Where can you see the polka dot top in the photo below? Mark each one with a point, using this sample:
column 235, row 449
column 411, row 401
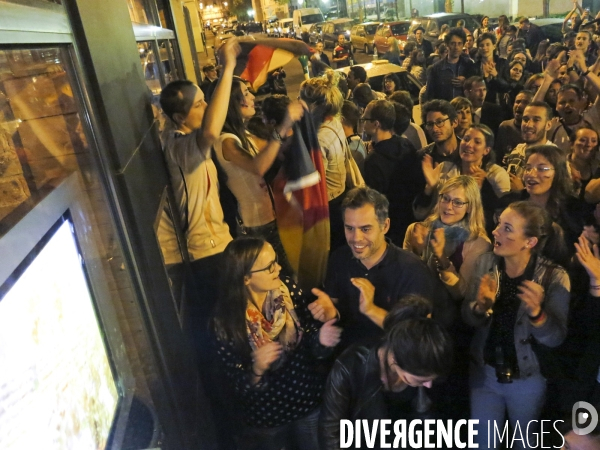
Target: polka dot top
column 286, row 393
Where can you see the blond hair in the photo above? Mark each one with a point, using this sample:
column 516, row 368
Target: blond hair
column 324, row 94
column 474, row 219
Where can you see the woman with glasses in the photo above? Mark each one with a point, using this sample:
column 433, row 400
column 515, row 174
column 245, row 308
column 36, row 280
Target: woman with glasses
column 476, row 160
column 453, row 236
column 548, row 184
column 385, row 380
column 244, row 159
column 518, row 301
column 269, row 347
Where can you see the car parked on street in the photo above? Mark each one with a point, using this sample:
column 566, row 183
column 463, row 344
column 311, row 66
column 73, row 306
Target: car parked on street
column 362, row 35
column 385, row 31
column 285, row 28
column 333, row 28
column 433, row 23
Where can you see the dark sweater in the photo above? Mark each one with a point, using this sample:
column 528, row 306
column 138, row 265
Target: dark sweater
column 389, row 170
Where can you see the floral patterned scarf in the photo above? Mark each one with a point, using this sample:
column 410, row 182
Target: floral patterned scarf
column 277, row 322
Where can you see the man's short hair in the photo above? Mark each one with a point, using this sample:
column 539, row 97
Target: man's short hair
column 383, row 111
column 275, row 107
column 511, row 29
column 546, row 106
column 572, row 87
column 482, row 37
column 460, row 23
column 361, row 196
column 458, row 32
column 461, row 103
column 469, row 82
column 441, row 106
column 363, row 95
column 350, row 114
column 404, row 98
column 359, row 73
column 403, row 117
column 419, row 28
column 523, row 20
column 208, row 68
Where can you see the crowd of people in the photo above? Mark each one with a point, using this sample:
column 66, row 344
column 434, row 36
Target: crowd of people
column 464, row 267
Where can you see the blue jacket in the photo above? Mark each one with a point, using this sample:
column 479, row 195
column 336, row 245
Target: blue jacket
column 439, row 78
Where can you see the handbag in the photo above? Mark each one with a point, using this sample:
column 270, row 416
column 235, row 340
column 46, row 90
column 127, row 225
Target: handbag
column 353, row 176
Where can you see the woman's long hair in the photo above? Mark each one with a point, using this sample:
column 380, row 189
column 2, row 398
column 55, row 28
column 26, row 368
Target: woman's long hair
column 322, row 96
column 234, row 121
column 538, row 223
column 562, row 184
column 474, row 217
column 229, row 317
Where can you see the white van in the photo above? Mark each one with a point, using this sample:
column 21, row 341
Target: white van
column 304, row 18
column 285, row 29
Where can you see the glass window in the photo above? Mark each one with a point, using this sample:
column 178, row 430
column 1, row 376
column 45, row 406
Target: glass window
column 137, row 13
column 149, row 67
column 400, row 28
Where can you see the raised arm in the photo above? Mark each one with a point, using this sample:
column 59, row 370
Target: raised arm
column 550, row 75
column 214, row 116
column 260, row 163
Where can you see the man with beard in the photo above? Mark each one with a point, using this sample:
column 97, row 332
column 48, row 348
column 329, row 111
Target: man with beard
column 367, row 278
column 487, row 113
column 440, row 120
column 535, row 124
column 386, row 165
column 509, row 131
column 446, row 77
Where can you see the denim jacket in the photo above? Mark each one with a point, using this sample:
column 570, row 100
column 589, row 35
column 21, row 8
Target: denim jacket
column 555, row 305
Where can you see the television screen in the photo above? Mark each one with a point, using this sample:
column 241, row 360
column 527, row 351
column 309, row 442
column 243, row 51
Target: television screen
column 57, row 389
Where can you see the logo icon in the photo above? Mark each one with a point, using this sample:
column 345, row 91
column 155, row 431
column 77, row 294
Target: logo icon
column 584, row 417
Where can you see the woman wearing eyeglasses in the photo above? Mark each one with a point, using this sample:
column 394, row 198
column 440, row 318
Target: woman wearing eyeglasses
column 518, row 301
column 453, row 236
column 269, row 346
column 477, row 161
column 548, row 184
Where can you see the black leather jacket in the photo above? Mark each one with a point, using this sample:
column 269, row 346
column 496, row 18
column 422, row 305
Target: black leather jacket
column 354, row 391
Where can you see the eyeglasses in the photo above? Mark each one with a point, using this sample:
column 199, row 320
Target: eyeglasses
column 365, row 119
column 455, row 202
column 438, row 123
column 270, row 267
column 539, row 170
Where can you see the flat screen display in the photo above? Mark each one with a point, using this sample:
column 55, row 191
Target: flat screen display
column 57, row 389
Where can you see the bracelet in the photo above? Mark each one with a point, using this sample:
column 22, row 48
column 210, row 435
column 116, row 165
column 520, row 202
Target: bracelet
column 586, row 73
column 537, row 317
column 275, row 136
column 571, row 69
column 439, row 265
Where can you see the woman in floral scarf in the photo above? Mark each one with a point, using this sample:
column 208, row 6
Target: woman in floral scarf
column 269, row 346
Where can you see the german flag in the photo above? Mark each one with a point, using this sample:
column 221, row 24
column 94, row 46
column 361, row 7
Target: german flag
column 301, row 206
column 263, row 55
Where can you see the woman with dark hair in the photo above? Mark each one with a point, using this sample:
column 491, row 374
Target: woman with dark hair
column 518, row 298
column 417, row 65
column 582, row 162
column 269, row 346
column 245, row 159
column 516, row 81
column 477, row 160
column 484, row 28
column 503, row 24
column 548, row 184
column 391, row 84
column 383, row 381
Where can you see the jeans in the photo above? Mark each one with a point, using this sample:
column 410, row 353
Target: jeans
column 522, row 399
column 298, row 435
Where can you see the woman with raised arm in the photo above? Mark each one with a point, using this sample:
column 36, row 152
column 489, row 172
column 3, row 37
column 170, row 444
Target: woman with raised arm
column 518, row 300
column 453, row 236
column 269, row 346
column 245, row 159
